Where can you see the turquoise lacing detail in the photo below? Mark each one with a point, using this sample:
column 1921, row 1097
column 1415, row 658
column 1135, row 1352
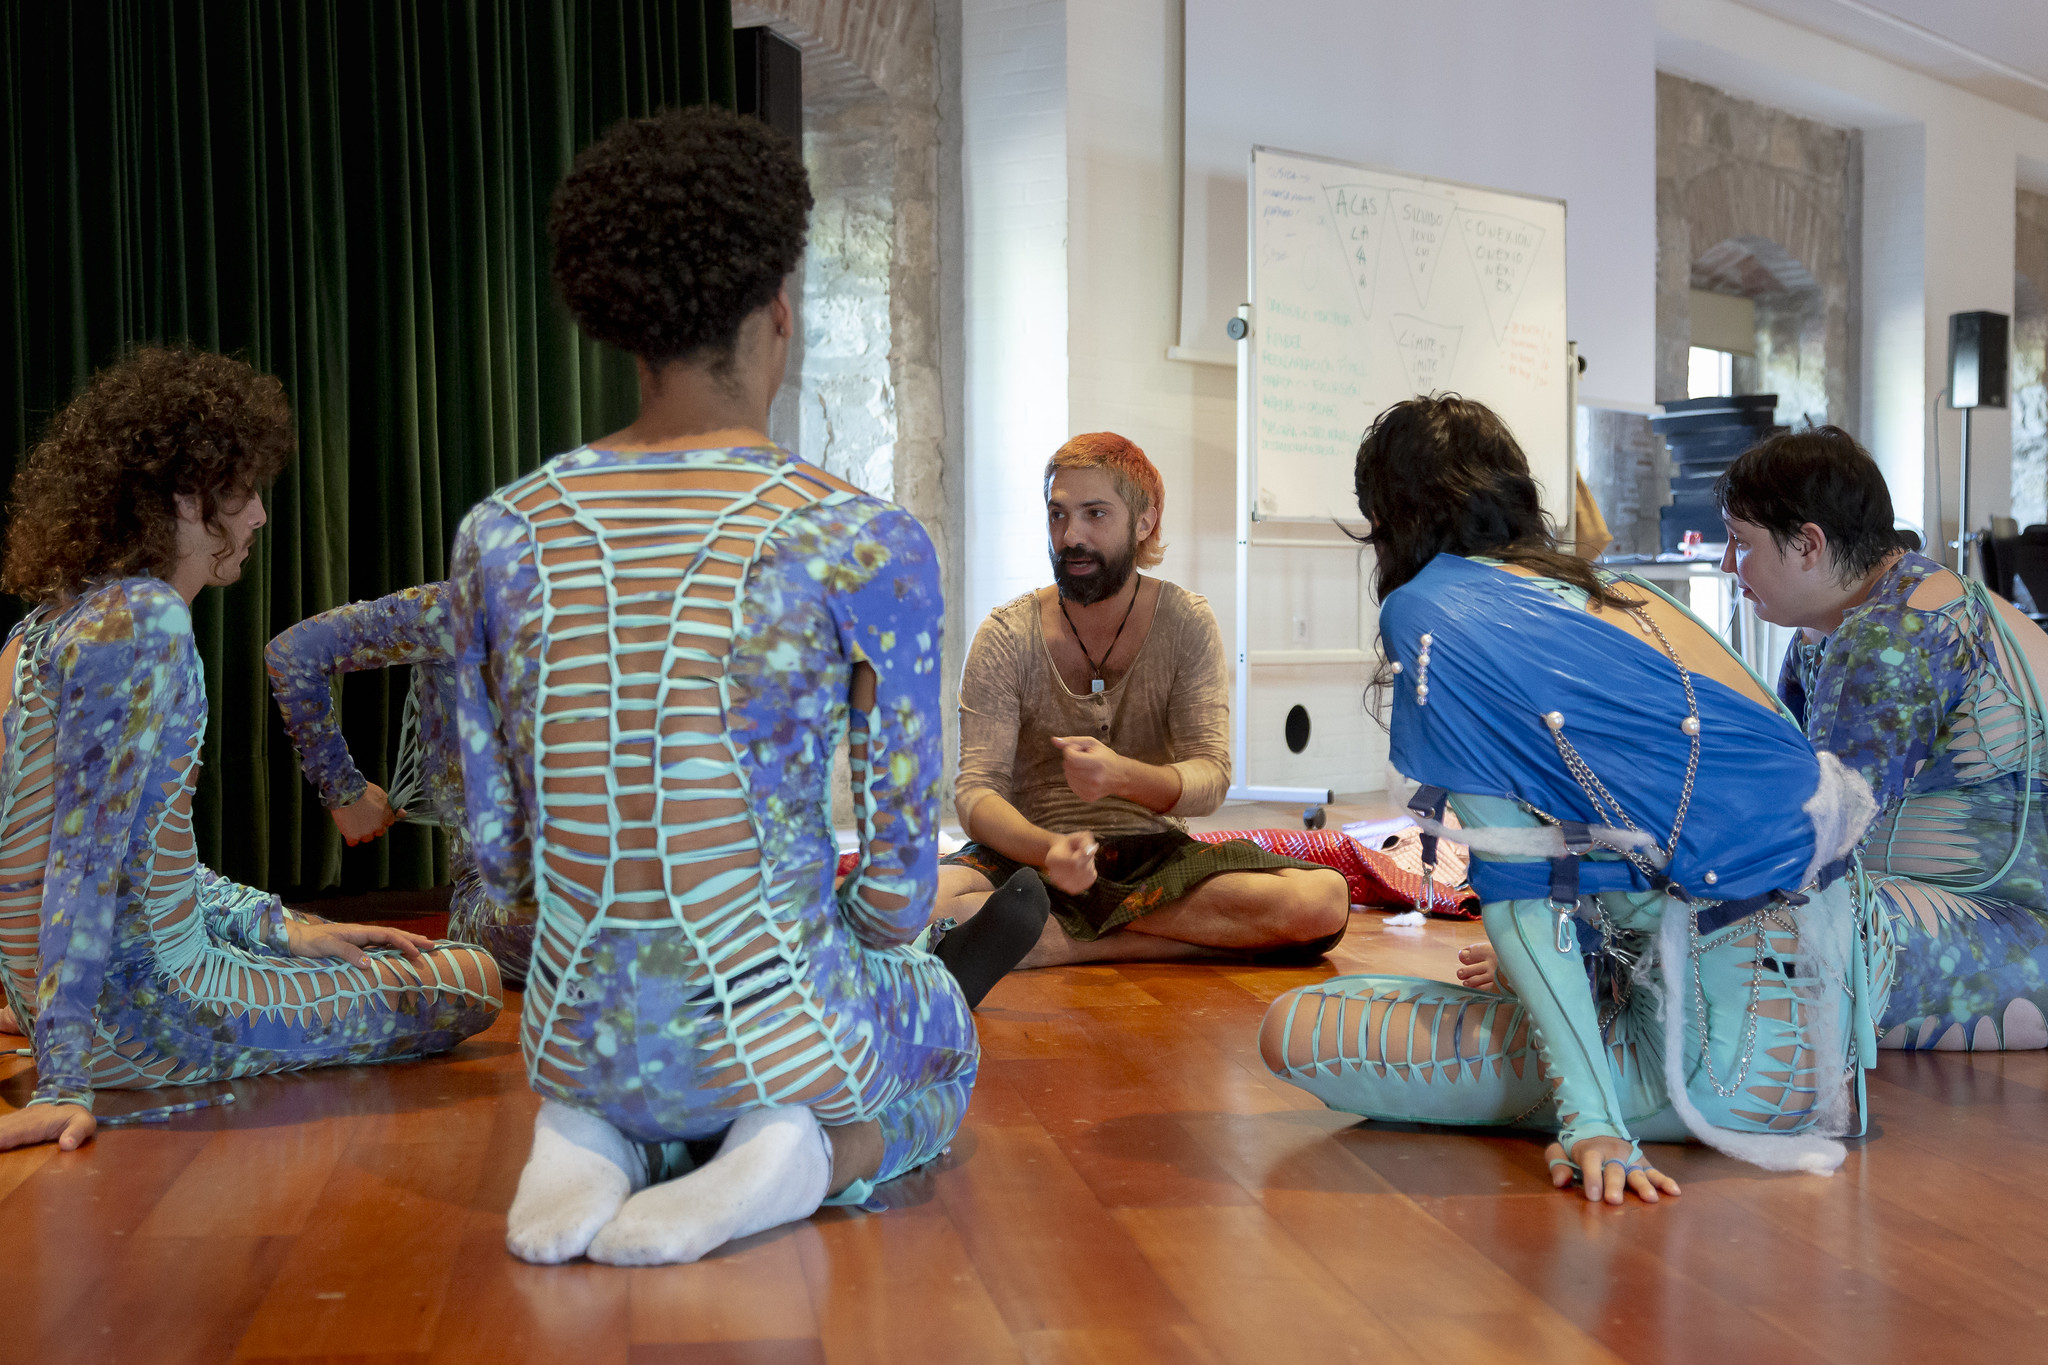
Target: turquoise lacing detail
column 641, row 598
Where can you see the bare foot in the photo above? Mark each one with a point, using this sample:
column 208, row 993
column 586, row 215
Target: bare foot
column 1479, row 967
column 8, row 1023
column 1055, row 947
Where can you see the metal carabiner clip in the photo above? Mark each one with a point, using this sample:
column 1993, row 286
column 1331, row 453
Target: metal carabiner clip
column 1567, row 939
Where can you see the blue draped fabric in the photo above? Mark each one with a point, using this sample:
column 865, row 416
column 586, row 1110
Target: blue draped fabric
column 1505, row 652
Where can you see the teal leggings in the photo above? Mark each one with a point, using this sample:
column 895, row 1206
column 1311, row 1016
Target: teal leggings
column 1412, row 1050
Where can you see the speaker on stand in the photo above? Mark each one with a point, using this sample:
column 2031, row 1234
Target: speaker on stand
column 1977, row 376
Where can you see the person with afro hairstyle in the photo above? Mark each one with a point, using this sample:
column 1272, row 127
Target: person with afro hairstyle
column 133, row 965
column 1929, row 686
column 660, row 640
column 1094, row 717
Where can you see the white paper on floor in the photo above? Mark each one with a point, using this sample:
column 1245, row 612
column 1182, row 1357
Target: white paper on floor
column 1379, row 834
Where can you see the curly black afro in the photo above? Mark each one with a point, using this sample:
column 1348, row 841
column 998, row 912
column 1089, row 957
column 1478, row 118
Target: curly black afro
column 669, row 230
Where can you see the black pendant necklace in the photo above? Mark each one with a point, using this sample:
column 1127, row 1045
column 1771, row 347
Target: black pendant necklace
column 1095, row 669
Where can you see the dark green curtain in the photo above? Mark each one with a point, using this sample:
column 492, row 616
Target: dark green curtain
column 352, row 194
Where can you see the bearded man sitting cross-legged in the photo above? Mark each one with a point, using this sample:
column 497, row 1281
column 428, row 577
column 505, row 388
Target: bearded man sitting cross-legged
column 1095, row 717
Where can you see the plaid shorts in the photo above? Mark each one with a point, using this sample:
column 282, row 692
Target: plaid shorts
column 1135, row 875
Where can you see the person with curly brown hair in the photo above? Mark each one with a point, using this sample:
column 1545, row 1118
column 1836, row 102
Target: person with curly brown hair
column 661, row 638
column 133, row 964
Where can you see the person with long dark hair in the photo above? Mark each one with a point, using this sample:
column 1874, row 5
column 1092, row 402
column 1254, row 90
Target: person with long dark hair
column 1929, row 686
column 133, row 965
column 1648, row 829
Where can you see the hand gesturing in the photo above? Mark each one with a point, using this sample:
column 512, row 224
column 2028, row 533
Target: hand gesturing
column 1070, row 862
column 1093, row 769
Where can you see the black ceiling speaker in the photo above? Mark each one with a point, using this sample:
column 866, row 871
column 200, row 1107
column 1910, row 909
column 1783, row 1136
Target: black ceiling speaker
column 1977, row 364
column 768, row 80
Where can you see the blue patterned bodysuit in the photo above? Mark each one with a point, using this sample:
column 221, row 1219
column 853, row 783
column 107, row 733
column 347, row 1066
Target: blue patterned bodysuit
column 1938, row 710
column 1548, row 1052
column 133, row 964
column 655, row 653
column 408, row 627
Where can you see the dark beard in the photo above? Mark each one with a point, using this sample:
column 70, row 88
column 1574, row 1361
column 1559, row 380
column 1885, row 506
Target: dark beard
column 1106, row 582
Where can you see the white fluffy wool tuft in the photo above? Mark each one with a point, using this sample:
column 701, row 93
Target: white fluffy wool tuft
column 1841, row 809
column 1539, row 841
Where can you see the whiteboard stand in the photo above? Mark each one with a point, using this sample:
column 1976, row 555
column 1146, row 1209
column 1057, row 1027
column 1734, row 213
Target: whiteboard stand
column 1370, row 286
column 1241, row 678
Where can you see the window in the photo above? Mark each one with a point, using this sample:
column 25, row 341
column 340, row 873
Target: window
column 1709, row 374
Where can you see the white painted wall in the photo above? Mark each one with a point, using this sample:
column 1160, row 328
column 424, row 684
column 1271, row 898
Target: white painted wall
column 1013, row 101
column 1894, row 417
column 1554, row 100
column 1970, row 155
column 1123, row 172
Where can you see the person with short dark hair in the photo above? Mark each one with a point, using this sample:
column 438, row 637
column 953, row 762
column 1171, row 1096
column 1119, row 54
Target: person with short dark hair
column 1674, row 947
column 1929, row 686
column 132, row 964
column 1094, row 718
column 661, row 638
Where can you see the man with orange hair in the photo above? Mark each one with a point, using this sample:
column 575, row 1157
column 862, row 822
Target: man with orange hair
column 1095, row 717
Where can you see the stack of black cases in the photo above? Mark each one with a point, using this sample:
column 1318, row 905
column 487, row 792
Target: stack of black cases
column 1705, row 435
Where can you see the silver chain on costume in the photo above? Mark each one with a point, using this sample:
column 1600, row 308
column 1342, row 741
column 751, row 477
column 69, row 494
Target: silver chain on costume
column 1610, row 810
column 1628, row 959
column 1765, row 920
column 1604, row 803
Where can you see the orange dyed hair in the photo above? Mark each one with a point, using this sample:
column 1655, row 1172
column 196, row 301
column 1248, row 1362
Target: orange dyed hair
column 1137, row 482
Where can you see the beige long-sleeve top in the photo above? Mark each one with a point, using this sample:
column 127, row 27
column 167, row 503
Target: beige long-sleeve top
column 1171, row 708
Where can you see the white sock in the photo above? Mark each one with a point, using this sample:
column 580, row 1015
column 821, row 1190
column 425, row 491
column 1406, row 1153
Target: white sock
column 580, row 1172
column 772, row 1168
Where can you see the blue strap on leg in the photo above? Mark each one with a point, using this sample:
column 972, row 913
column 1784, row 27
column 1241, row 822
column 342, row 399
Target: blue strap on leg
column 1564, row 880
column 1429, row 803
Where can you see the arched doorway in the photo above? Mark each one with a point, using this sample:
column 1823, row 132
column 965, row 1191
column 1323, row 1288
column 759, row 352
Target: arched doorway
column 1789, row 352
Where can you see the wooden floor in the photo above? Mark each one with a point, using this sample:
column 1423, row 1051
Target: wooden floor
column 1130, row 1186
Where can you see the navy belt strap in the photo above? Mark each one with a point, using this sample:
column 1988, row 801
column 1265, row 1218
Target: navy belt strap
column 1564, row 872
column 1429, row 802
column 1566, row 882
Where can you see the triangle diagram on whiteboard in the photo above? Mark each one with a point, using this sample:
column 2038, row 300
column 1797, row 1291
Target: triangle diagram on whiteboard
column 1502, row 250
column 1428, row 350
column 1359, row 213
column 1422, row 222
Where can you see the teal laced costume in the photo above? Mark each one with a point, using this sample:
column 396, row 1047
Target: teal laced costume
column 655, row 653
column 134, row 965
column 1939, row 711
column 409, row 627
column 1571, row 752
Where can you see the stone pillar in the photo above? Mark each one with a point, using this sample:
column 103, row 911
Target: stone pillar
column 2030, row 360
column 872, row 407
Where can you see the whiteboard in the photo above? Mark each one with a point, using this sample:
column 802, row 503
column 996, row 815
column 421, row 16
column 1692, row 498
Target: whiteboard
column 1369, row 286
